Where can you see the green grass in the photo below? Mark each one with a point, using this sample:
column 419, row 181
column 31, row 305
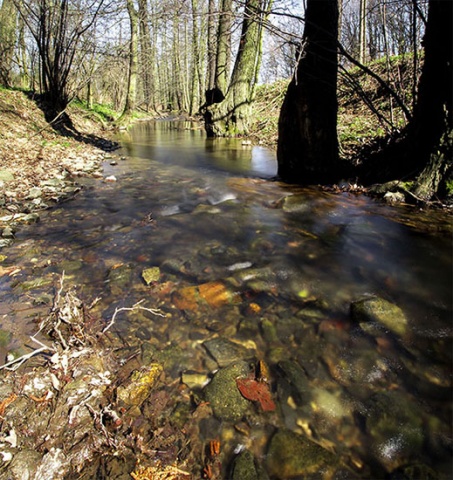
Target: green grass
column 102, row 111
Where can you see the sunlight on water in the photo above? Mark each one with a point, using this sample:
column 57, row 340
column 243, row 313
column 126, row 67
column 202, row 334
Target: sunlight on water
column 272, row 268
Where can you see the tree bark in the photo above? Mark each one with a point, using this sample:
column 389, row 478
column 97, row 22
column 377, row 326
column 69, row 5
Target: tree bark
column 423, row 151
column 230, row 117
column 362, row 31
column 430, row 132
column 145, row 54
column 131, row 95
column 211, row 46
column 307, row 145
column 8, row 34
column 222, row 65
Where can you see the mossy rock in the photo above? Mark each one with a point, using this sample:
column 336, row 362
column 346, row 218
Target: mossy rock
column 291, row 455
column 376, row 314
column 223, row 394
column 244, row 467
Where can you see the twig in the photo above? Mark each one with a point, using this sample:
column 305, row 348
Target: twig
column 24, row 358
column 134, row 307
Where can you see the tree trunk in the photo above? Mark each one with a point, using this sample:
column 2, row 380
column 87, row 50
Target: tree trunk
column 195, row 70
column 424, row 150
column 307, row 145
column 223, row 47
column 230, row 117
column 430, row 132
column 131, row 95
column 8, row 33
column 211, row 46
column 145, row 54
column 362, row 31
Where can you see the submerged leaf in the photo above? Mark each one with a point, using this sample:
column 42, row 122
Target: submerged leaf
column 256, row 391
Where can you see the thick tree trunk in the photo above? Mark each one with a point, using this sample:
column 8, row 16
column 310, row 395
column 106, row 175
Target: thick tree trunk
column 131, row 95
column 145, row 53
column 432, row 118
column 231, row 116
column 222, row 65
column 424, row 150
column 308, row 145
column 211, row 46
column 8, row 33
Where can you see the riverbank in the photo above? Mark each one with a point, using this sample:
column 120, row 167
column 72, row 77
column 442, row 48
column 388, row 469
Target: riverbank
column 39, row 166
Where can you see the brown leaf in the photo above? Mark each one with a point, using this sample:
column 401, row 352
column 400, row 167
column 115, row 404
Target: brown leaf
column 256, row 391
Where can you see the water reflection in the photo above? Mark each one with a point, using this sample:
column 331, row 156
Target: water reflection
column 275, row 269
column 185, row 143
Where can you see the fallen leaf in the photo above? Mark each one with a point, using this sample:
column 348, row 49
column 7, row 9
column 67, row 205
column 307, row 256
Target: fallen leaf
column 256, row 391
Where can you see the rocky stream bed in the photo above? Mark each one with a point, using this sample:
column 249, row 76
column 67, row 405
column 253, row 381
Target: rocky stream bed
column 208, row 361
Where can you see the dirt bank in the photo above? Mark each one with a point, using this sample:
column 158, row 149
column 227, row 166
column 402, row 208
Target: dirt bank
column 39, row 166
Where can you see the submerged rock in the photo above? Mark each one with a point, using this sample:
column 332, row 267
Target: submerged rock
column 224, row 351
column 119, row 278
column 415, row 472
column 396, row 426
column 294, row 203
column 223, row 395
column 375, row 314
column 140, row 385
column 295, row 375
column 244, row 467
column 213, row 294
column 151, row 275
column 291, row 455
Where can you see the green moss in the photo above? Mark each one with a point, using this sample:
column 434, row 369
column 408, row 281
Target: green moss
column 449, row 187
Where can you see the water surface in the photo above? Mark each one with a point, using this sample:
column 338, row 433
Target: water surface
column 207, row 213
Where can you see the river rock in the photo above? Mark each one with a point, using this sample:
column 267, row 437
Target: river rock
column 139, row 386
column 151, row 275
column 295, row 375
column 395, row 424
column 30, row 218
column 294, row 203
column 393, row 198
column 5, row 242
column 291, row 455
column 119, row 278
column 224, row 351
column 244, row 467
column 6, row 176
column 34, row 193
column 376, row 314
column 223, row 394
column 415, row 472
column 212, row 294
column 8, row 232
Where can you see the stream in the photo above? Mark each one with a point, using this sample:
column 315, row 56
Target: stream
column 342, row 305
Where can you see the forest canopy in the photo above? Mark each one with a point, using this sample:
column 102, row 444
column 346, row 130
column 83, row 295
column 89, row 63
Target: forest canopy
column 208, row 56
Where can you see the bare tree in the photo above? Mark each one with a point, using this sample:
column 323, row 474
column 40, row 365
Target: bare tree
column 58, row 28
column 131, row 93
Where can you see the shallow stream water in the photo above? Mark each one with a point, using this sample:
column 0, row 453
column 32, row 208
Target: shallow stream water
column 240, row 263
